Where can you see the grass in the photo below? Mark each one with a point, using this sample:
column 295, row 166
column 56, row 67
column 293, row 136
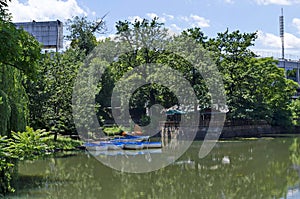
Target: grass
column 63, row 143
column 114, row 130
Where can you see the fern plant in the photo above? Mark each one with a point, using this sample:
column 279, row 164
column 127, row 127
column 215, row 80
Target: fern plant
column 29, row 144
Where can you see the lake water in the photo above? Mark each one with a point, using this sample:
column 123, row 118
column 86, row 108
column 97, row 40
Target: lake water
column 261, row 168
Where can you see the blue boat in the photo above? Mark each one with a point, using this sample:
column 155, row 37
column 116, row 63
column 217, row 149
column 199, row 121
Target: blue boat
column 152, row 145
column 131, row 142
column 131, row 138
column 119, row 144
column 133, row 145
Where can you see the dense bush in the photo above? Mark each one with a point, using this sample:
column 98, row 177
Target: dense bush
column 6, row 166
column 28, row 145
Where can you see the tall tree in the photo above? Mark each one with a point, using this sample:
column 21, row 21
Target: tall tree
column 82, row 32
column 255, row 88
column 51, row 95
column 145, row 43
column 19, row 54
column 138, row 38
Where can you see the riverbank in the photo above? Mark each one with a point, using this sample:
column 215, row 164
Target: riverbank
column 229, row 132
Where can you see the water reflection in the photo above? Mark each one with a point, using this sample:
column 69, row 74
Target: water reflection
column 245, row 169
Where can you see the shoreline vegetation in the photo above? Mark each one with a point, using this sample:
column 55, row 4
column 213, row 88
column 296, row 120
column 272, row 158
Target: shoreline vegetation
column 28, row 145
column 31, row 145
column 36, row 87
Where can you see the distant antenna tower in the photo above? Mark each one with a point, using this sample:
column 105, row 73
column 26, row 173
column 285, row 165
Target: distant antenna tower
column 281, row 24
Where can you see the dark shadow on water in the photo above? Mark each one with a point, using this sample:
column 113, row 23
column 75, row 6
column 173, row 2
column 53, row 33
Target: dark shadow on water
column 26, row 182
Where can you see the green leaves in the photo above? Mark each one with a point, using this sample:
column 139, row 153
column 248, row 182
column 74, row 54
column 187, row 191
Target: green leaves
column 295, row 108
column 82, row 32
column 19, row 55
column 51, row 95
column 6, row 166
column 255, row 87
column 29, row 144
column 22, row 145
column 140, row 44
column 20, row 51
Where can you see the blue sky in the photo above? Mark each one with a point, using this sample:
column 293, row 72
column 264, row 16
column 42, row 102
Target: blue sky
column 212, row 16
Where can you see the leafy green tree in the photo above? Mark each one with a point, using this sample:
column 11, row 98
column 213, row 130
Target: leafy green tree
column 82, row 32
column 255, row 88
column 18, row 61
column 137, row 38
column 51, row 95
column 196, row 34
column 143, row 43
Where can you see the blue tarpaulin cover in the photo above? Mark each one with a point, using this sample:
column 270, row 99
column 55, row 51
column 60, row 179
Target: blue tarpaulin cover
column 175, row 112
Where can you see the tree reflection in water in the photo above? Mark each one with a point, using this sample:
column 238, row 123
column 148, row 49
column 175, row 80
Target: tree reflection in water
column 263, row 168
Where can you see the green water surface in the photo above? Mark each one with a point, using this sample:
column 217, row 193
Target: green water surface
column 259, row 168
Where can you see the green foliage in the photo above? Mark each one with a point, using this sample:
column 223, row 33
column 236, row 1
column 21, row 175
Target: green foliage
column 62, row 143
column 51, row 95
column 6, row 167
column 112, row 130
column 144, row 41
column 145, row 120
column 196, row 34
column 3, row 9
column 23, row 145
column 295, row 109
column 291, row 74
column 18, row 61
column 33, row 144
column 82, row 33
column 20, row 51
column 255, row 88
column 29, row 144
column 15, row 100
column 5, row 110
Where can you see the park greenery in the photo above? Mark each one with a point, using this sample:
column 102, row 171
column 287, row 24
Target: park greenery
column 36, row 88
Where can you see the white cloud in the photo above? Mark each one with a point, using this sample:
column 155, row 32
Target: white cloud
column 175, row 27
column 135, row 18
column 269, row 45
column 170, row 17
column 103, row 37
column 269, row 40
column 273, row 41
column 199, row 21
column 229, row 1
column 44, row 10
column 184, row 18
column 296, row 23
column 195, row 20
column 277, row 2
column 160, row 19
column 291, row 41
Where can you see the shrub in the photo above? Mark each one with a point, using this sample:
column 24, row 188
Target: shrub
column 27, row 145
column 6, row 166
